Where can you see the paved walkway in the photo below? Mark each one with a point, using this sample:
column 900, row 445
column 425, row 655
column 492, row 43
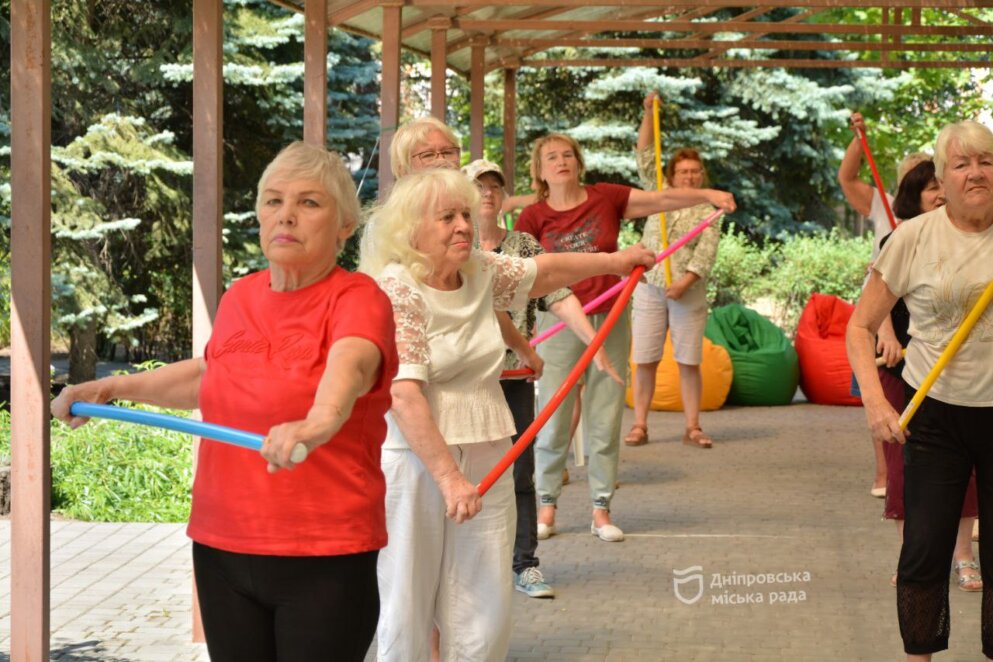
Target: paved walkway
column 783, row 496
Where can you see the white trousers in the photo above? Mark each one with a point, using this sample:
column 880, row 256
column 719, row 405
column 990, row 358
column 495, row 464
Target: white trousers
column 437, row 572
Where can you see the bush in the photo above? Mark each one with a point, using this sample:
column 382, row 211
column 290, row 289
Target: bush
column 5, row 300
column 827, row 263
column 108, row 471
column 740, row 265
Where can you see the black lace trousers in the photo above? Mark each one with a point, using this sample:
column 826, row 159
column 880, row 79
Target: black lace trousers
column 946, row 442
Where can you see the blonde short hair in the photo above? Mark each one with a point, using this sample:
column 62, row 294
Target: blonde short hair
column 540, row 185
column 300, row 160
column 390, row 230
column 409, row 135
column 971, row 137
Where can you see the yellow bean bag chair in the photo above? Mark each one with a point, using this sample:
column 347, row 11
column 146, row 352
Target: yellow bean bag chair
column 717, row 374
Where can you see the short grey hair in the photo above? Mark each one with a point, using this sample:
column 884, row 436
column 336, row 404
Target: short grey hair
column 409, row 135
column 971, row 137
column 300, row 160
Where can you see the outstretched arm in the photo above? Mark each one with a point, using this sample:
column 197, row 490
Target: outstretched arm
column 176, row 386
column 557, row 270
column 352, row 368
column 645, row 203
column 857, row 192
column 646, row 131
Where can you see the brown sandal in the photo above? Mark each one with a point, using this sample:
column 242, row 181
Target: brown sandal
column 697, row 437
column 638, row 436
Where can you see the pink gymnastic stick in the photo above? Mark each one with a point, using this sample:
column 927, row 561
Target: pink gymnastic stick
column 675, row 246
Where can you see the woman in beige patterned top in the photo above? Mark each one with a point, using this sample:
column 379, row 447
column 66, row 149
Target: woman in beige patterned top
column 680, row 307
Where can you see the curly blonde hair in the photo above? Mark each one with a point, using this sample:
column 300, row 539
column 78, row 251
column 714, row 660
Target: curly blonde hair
column 392, row 225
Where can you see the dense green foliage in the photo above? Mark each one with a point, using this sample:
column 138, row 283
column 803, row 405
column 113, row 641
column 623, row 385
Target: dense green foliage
column 737, row 276
column 122, row 144
column 787, row 272
column 107, row 471
column 122, row 141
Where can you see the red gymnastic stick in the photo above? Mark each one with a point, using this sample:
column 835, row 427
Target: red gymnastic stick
column 577, row 370
column 875, row 176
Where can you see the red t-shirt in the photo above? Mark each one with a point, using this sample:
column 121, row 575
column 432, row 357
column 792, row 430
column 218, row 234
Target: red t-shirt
column 591, row 227
column 265, row 357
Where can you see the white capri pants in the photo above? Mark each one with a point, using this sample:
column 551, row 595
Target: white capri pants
column 437, row 572
column 654, row 313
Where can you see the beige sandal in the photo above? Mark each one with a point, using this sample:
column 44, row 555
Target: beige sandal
column 697, row 437
column 638, row 436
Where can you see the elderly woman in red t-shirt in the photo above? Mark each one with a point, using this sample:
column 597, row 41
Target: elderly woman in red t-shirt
column 285, row 561
column 571, row 216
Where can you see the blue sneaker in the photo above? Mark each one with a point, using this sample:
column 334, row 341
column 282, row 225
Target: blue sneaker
column 532, row 584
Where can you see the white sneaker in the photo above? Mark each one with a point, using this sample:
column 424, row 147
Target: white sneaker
column 607, row 532
column 545, row 531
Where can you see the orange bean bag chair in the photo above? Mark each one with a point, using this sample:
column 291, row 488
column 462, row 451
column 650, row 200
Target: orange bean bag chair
column 825, row 375
column 717, row 373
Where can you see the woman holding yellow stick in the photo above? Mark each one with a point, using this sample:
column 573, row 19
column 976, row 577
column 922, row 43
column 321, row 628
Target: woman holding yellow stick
column 675, row 294
column 940, row 263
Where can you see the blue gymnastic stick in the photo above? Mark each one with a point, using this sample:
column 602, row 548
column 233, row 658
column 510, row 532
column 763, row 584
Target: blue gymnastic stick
column 177, row 424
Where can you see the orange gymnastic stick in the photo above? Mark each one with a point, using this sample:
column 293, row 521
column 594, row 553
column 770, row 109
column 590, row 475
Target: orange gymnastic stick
column 563, row 390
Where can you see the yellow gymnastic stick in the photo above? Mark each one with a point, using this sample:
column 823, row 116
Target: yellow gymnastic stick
column 660, row 183
column 953, row 346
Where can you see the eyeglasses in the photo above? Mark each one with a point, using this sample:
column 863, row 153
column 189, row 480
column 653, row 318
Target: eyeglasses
column 433, row 155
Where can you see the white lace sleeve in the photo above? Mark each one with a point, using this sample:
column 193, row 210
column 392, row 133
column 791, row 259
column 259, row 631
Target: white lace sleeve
column 513, row 278
column 411, row 318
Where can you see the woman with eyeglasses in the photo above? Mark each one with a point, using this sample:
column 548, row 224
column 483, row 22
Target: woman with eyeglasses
column 679, row 307
column 422, row 144
column 572, row 216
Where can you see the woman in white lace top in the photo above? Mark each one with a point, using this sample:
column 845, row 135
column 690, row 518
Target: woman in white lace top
column 448, row 559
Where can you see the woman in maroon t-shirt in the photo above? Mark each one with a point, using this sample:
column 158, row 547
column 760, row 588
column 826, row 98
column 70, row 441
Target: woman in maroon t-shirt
column 571, row 216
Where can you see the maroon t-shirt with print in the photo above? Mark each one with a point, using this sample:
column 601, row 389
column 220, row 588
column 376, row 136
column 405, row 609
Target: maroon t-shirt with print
column 591, row 227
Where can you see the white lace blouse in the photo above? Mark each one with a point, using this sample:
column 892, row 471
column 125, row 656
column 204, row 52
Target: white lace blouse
column 451, row 341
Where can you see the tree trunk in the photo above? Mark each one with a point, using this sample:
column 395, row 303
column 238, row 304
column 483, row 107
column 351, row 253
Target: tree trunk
column 83, row 352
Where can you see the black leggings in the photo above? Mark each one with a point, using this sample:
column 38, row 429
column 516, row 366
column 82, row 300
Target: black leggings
column 286, row 608
column 946, row 442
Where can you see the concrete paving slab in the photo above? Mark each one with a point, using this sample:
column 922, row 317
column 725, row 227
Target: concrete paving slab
column 767, row 547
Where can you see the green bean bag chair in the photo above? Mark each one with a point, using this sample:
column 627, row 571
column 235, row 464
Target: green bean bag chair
column 766, row 367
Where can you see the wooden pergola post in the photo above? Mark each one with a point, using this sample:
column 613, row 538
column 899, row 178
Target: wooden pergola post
column 439, row 65
column 509, row 126
column 477, row 92
column 31, row 295
column 315, row 72
column 389, row 116
column 208, row 183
